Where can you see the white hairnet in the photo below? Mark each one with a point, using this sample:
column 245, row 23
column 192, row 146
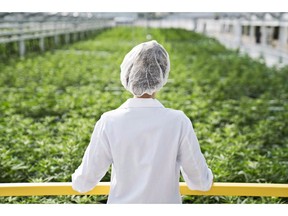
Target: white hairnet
column 145, row 68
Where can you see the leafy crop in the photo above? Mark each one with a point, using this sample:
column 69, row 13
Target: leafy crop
column 50, row 102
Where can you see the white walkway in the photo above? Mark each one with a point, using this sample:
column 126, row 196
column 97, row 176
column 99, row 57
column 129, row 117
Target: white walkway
column 271, row 56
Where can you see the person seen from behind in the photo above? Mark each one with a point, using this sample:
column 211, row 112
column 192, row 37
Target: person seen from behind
column 147, row 144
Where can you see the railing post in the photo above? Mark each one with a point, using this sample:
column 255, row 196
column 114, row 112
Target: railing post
column 238, row 33
column 204, row 29
column 74, row 34
column 195, row 21
column 222, row 28
column 263, row 35
column 67, row 38
column 21, row 41
column 56, row 36
column 56, row 39
column 41, row 40
column 82, row 35
column 67, row 35
column 252, row 34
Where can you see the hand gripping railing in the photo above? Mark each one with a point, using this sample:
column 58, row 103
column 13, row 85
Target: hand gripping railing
column 102, row 188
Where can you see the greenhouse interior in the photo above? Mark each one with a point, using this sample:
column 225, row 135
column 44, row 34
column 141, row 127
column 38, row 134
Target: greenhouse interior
column 60, row 71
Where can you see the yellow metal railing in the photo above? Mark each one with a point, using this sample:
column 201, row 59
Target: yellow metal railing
column 218, row 189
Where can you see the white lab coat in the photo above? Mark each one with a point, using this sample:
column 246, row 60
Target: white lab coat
column 147, row 145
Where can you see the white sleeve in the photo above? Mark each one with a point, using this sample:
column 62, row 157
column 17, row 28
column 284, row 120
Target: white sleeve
column 95, row 163
column 193, row 165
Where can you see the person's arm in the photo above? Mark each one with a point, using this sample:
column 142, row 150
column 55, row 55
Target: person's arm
column 95, row 163
column 193, row 165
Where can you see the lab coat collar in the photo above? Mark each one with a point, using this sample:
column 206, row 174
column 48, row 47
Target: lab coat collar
column 141, row 102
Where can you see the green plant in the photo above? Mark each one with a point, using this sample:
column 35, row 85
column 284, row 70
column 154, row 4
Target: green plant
column 50, row 102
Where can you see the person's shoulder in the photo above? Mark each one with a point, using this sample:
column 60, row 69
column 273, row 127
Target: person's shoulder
column 177, row 113
column 181, row 117
column 111, row 113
